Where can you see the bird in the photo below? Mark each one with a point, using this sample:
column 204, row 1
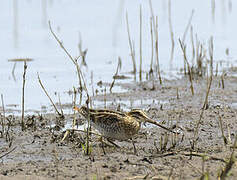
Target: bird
column 116, row 125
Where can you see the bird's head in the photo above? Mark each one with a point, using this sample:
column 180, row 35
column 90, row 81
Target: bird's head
column 140, row 115
column 84, row 111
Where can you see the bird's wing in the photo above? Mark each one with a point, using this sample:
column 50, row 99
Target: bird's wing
column 107, row 118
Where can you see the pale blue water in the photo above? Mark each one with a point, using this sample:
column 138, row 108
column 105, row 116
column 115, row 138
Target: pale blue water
column 24, row 33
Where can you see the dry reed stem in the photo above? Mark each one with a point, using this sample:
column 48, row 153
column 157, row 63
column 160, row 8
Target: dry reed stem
column 183, row 47
column 192, row 41
column 216, row 69
column 4, row 115
column 211, row 55
column 171, row 32
column 60, row 104
column 42, row 86
column 79, row 73
column 88, row 128
column 23, row 97
column 152, row 14
column 177, row 93
column 131, row 46
column 155, row 27
column 231, row 162
column 82, row 53
column 205, row 104
column 80, row 76
column 116, row 73
column 187, row 27
column 74, row 105
column 140, row 70
column 196, row 154
column 152, row 48
column 157, row 51
column 222, row 130
column 92, row 83
column 223, row 80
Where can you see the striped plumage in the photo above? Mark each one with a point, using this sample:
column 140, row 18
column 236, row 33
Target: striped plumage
column 112, row 124
column 117, row 125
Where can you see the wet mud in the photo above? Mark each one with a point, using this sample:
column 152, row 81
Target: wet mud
column 39, row 152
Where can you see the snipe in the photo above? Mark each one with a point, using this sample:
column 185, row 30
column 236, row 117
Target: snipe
column 117, row 125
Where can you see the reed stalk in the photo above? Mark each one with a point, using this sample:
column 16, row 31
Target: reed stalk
column 4, row 115
column 131, row 46
column 23, row 97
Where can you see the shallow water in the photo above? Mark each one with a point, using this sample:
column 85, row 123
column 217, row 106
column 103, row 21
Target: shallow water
column 102, row 26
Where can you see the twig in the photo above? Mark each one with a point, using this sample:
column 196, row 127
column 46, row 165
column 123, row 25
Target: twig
column 8, row 152
column 42, row 86
column 208, row 157
column 116, row 73
column 23, row 97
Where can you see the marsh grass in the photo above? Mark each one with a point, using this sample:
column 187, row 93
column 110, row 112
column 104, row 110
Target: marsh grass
column 81, row 79
column 155, row 27
column 205, row 104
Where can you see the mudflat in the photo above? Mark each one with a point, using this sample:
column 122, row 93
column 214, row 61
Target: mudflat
column 203, row 147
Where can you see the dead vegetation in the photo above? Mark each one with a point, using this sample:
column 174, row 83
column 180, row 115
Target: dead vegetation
column 196, row 124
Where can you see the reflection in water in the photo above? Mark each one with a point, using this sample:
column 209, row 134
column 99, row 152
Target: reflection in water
column 15, row 23
column 44, row 13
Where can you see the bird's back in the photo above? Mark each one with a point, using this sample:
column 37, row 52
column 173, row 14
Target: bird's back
column 112, row 124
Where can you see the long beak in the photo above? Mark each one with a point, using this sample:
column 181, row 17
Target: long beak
column 157, row 124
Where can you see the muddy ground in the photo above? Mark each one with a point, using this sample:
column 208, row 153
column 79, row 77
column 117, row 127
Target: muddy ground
column 39, row 153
